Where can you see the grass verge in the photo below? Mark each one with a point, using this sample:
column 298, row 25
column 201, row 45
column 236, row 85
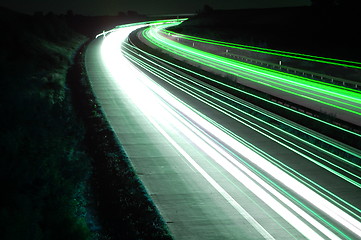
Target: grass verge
column 44, row 167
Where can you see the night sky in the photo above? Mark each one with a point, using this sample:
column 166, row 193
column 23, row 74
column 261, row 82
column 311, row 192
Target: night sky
column 112, row 7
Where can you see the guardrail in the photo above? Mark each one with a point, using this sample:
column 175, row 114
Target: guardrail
column 299, row 72
column 275, row 64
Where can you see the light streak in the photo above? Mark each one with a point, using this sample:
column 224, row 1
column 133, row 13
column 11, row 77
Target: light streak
column 307, row 57
column 154, row 111
column 137, row 24
column 163, row 109
column 187, row 88
column 229, row 63
column 277, row 173
column 335, row 97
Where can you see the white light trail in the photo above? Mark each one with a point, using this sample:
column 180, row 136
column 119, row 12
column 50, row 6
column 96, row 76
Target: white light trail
column 158, row 108
column 127, row 77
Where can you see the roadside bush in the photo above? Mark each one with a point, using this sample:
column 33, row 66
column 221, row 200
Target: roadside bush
column 43, row 163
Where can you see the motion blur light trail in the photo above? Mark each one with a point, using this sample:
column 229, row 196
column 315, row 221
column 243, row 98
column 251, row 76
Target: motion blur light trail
column 332, row 61
column 343, row 99
column 261, row 99
column 153, row 33
column 180, row 80
column 188, row 88
column 285, row 194
column 137, row 24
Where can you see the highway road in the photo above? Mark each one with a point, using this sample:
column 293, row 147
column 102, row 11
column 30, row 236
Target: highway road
column 340, row 102
column 216, row 166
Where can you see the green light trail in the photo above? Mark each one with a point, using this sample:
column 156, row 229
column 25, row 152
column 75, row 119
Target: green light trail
column 264, row 177
column 313, row 210
column 282, row 86
column 332, row 61
column 274, row 103
column 160, row 29
column 333, row 97
column 268, row 115
column 331, row 142
column 160, row 71
column 234, row 67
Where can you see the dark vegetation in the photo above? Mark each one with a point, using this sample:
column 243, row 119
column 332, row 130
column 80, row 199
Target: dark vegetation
column 63, row 173
column 44, row 166
column 328, row 28
column 286, row 111
column 124, row 206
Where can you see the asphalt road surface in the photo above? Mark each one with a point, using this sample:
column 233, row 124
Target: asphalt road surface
column 343, row 104
column 214, row 171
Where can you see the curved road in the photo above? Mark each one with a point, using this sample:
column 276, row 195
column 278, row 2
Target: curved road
column 337, row 101
column 214, row 170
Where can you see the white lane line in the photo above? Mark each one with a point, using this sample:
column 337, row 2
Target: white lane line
column 151, row 110
column 221, row 190
column 241, row 149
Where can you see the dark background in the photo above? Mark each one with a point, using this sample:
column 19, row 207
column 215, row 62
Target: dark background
column 112, row 7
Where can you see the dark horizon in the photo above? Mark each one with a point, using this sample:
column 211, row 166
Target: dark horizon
column 156, row 7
